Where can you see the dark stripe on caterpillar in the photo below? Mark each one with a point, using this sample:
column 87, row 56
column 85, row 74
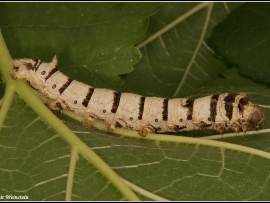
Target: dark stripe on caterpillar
column 29, row 66
column 204, row 125
column 165, row 110
column 154, row 129
column 51, row 73
column 62, row 89
column 141, row 108
column 229, row 99
column 213, row 107
column 36, row 60
column 177, row 128
column 118, row 125
column 116, row 101
column 35, row 68
column 189, row 105
column 58, row 104
column 244, row 101
column 15, row 68
column 88, row 97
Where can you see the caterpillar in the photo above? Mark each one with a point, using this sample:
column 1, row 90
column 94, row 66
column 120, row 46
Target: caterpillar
column 136, row 112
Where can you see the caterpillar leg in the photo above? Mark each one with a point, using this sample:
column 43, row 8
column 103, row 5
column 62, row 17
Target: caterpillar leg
column 245, row 127
column 87, row 123
column 54, row 105
column 221, row 128
column 236, row 127
column 144, row 131
column 111, row 127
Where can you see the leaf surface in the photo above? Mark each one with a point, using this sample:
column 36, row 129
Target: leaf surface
column 243, row 40
column 179, row 60
column 35, row 160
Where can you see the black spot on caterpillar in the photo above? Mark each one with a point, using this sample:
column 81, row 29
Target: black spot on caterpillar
column 132, row 111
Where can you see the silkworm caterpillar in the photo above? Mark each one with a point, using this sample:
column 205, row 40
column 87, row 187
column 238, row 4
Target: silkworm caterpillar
column 136, row 112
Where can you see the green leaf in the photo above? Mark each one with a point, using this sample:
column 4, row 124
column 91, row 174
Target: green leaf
column 178, row 60
column 41, row 158
column 243, row 40
column 92, row 38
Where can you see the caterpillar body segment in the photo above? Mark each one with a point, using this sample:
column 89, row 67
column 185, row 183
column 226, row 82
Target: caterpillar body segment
column 178, row 119
column 127, row 114
column 201, row 113
column 136, row 112
column 152, row 119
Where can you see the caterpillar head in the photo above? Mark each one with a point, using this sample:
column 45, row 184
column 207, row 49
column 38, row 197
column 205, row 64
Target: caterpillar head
column 257, row 117
column 22, row 67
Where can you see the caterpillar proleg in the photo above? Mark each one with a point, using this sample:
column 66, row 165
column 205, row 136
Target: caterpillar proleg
column 136, row 112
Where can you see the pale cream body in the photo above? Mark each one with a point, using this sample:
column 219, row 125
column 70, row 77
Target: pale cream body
column 153, row 119
column 177, row 116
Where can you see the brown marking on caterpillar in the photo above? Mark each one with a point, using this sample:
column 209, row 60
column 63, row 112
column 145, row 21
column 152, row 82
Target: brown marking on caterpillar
column 16, row 69
column 68, row 108
column 177, row 128
column 189, row 105
column 243, row 102
column 141, row 108
column 129, row 127
column 58, row 104
column 88, row 97
column 118, row 125
column 204, row 125
column 148, row 129
column 165, row 110
column 62, row 89
column 229, row 100
column 213, row 107
column 36, row 60
column 35, row 68
column 54, row 105
column 51, row 73
column 28, row 66
column 101, row 119
column 116, row 101
column 155, row 129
